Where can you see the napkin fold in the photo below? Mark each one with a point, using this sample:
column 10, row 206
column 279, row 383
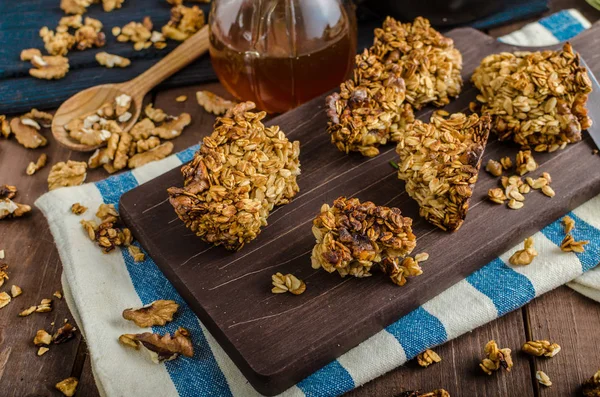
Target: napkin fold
column 98, row 286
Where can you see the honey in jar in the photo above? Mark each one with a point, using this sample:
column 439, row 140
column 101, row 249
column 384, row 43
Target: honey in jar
column 281, row 53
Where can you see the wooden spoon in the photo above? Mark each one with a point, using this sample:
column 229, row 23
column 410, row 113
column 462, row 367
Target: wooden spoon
column 88, row 101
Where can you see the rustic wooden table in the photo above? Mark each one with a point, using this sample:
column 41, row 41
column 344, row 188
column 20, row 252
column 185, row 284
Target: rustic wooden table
column 561, row 315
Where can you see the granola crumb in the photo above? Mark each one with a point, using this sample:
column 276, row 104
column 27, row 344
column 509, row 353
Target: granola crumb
column 526, row 255
column 427, row 358
column 68, row 386
column 42, row 350
column 28, row 311
column 570, row 245
column 595, row 151
column 181, row 98
column 548, row 191
column 543, row 379
column 494, row 167
column 541, row 348
column 15, row 291
column 57, row 294
column 4, row 299
column 568, row 223
column 136, row 253
column 78, row 209
column 45, row 306
column 32, row 168
column 287, row 283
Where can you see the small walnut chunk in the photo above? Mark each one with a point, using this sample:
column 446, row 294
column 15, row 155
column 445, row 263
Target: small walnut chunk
column 568, row 223
column 174, row 127
column 543, row 379
column 78, row 209
column 213, row 103
column 111, row 60
column 157, row 153
column 57, row 43
column 570, row 245
column 42, row 338
column 32, row 168
column 75, row 6
column 44, row 306
column 71, row 173
column 541, row 348
column 4, row 299
column 181, row 98
column 287, row 283
column 10, row 209
column 158, row 312
column 496, row 195
column 109, row 5
column 427, row 358
column 49, row 67
column 29, row 53
column 8, row 191
column 136, row 253
column 506, row 163
column 496, row 358
column 15, row 291
column 26, row 135
column 525, row 162
column 525, row 256
column 57, row 294
column 494, row 167
column 42, row 350
column 155, row 114
column 161, row 348
column 64, row 333
column 68, row 387
column 90, row 34
column 184, row 22
column 3, row 273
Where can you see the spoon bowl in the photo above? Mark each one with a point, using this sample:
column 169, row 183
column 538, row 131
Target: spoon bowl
column 90, row 100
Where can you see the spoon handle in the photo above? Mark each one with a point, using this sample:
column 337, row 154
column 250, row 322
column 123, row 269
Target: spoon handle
column 181, row 56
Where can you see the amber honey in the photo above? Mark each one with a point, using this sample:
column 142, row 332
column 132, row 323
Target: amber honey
column 280, row 68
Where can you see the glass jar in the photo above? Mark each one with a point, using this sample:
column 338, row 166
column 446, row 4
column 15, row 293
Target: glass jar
column 282, row 53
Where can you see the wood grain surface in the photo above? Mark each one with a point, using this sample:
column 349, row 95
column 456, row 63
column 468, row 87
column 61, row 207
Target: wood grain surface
column 278, row 340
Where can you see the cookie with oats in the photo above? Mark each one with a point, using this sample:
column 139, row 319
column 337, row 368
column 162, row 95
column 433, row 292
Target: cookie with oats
column 440, row 161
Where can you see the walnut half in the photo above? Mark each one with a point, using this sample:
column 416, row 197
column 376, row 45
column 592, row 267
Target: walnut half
column 161, row 348
column 158, row 312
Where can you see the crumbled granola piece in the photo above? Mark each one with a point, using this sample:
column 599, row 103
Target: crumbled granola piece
column 158, row 312
column 525, row 162
column 15, row 291
column 568, row 223
column 541, row 348
column 154, row 114
column 213, row 103
column 136, row 253
column 42, row 350
column 68, row 387
column 536, row 99
column 111, row 60
column 78, row 209
column 75, row 6
column 90, row 228
column 56, row 43
column 536, row 183
column 515, row 205
column 71, row 173
column 399, row 273
column 287, row 283
column 591, row 387
column 32, row 168
column 353, row 236
column 570, row 245
column 543, row 379
column 10, row 209
column 109, row 5
column 159, row 348
column 264, row 176
column 496, row 195
column 184, row 22
column 4, row 127
column 27, row 311
column 4, row 299
column 44, row 306
column 506, row 163
column 42, row 338
column 430, row 64
column 440, row 163
column 494, row 167
column 525, row 256
column 368, row 111
column 427, row 358
column 496, row 358
column 27, row 135
column 49, row 67
column 57, row 294
column 63, row 334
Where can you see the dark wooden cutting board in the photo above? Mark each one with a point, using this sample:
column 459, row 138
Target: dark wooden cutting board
column 277, row 340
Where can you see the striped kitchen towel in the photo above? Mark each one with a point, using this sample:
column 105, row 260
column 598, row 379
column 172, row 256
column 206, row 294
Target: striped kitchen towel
column 98, row 286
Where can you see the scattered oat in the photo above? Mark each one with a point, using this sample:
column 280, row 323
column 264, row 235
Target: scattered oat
column 181, row 98
column 548, row 191
column 42, row 338
column 75, row 6
column 422, row 257
column 213, row 103
column 543, row 378
column 49, row 67
column 158, row 312
column 116, row 30
column 111, row 60
column 427, row 358
column 4, row 299
column 525, row 162
column 78, row 209
column 525, row 256
column 44, row 306
column 32, row 168
column 161, row 348
column 27, row 311
column 497, row 195
column 515, row 205
column 109, row 5
column 595, row 151
column 15, row 291
column 568, row 223
column 42, row 350
column 496, row 358
column 541, row 348
column 3, row 273
column 506, row 163
column 494, row 167
column 71, row 173
column 136, row 253
column 57, row 294
column 570, row 245
column 68, row 387
column 287, row 283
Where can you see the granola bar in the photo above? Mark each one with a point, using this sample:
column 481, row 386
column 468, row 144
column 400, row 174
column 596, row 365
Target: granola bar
column 241, row 172
column 439, row 162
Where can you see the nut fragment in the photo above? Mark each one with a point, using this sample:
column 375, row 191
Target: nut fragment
column 541, row 348
column 213, row 103
column 154, row 114
column 525, row 256
column 78, row 209
column 71, row 173
column 136, row 253
column 494, row 167
column 42, row 350
column 287, row 283
column 157, row 153
column 75, row 6
column 27, row 135
column 496, row 358
column 158, row 312
column 506, row 163
column 568, row 223
column 3, row 273
column 496, row 195
column 591, row 387
column 109, row 5
column 49, row 67
column 427, row 358
column 42, row 338
column 10, row 209
column 181, row 98
column 184, row 22
column 56, row 43
column 111, row 60
column 57, row 294
column 63, row 334
column 173, row 128
column 15, row 291
column 570, row 245
column 90, row 35
column 515, row 205
column 4, row 299
column 68, row 387
column 44, row 306
column 159, row 348
column 32, row 168
column 28, row 311
column 525, row 162
column 7, row 191
column 543, row 379
column 548, row 191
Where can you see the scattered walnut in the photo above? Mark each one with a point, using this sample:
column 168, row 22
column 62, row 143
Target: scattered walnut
column 56, row 43
column 157, row 153
column 494, row 167
column 435, row 393
column 29, row 53
column 427, row 358
column 137, row 33
column 506, row 163
column 49, row 67
column 4, row 299
column 109, row 234
column 10, row 209
column 27, row 311
column 68, row 387
column 42, row 338
column 15, row 291
column 71, row 173
column 568, row 223
column 591, row 387
column 174, row 127
column 27, row 135
column 541, row 348
column 144, row 145
column 75, row 6
column 136, row 253
column 496, row 358
column 44, row 306
column 109, row 5
column 543, row 378
column 287, row 283
column 42, row 350
column 525, row 162
column 73, row 21
column 159, row 348
column 570, row 245
column 184, row 22
column 78, row 209
column 213, row 103
column 111, row 60
column 8, row 191
column 156, row 115
column 90, row 34
column 32, row 168
column 158, row 312
column 3, row 273
column 525, row 256
column 64, row 333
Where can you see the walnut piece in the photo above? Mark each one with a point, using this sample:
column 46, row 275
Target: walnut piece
column 158, row 312
column 541, row 348
column 525, row 256
column 213, row 103
column 75, row 6
column 3, row 273
column 496, row 358
column 68, row 386
column 494, row 167
column 174, row 127
column 8, row 191
column 136, row 253
column 4, row 299
column 157, row 153
column 29, row 53
column 154, row 114
column 32, row 168
column 570, row 245
column 159, row 348
column 71, row 173
column 10, row 209
column 136, row 33
column 78, row 209
column 352, row 237
column 90, row 35
column 110, row 233
column 543, row 379
column 111, row 60
column 57, row 43
column 427, row 358
column 15, row 291
column 49, row 67
column 287, row 283
column 525, row 162
column 45, row 306
column 109, row 5
column 42, row 338
column 27, row 135
column 184, row 22
column 63, row 334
